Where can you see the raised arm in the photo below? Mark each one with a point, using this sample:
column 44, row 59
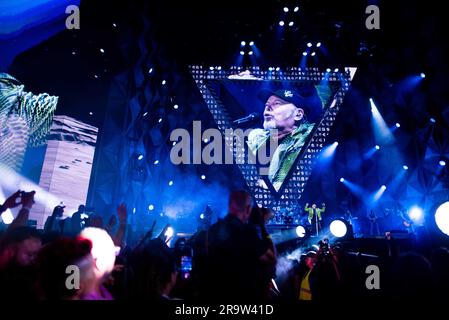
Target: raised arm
column 24, row 213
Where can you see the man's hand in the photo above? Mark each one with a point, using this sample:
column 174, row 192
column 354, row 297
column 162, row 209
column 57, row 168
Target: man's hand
column 121, row 213
column 12, row 202
column 28, row 199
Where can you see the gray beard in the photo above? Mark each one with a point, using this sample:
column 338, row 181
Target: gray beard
column 270, row 124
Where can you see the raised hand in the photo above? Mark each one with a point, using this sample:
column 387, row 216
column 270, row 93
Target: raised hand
column 121, row 213
column 12, row 202
column 28, row 199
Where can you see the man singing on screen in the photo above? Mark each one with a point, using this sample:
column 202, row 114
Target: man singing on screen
column 287, row 111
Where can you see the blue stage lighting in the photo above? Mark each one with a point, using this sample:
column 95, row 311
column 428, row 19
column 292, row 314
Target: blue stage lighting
column 397, row 125
column 151, row 207
column 285, row 9
column 313, row 54
column 338, row 228
column 383, row 187
column 150, row 71
column 243, row 43
column 405, row 167
column 423, row 75
column 432, row 120
column 291, row 23
column 251, row 43
column 296, row 9
column 202, row 216
column 160, row 120
column 342, row 179
column 304, row 53
column 277, row 68
column 318, row 44
column 156, row 161
column 442, row 218
column 416, row 213
column 170, row 183
column 140, row 157
column 203, row 177
column 328, row 70
column 377, row 147
column 336, row 70
column 442, row 163
column 309, row 44
column 242, row 53
column 250, row 53
column 281, row 23
column 175, row 106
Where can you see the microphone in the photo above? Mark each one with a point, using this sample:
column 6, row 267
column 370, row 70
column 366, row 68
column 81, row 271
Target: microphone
column 249, row 118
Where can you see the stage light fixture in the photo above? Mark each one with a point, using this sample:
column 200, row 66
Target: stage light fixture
column 383, row 187
column 442, row 218
column 160, row 120
column 281, row 23
column 296, row 9
column 291, row 23
column 202, row 216
column 309, row 44
column 318, row 44
column 313, row 54
column 175, row 107
column 338, row 228
column 134, row 210
column 342, row 179
column 140, row 157
column 211, row 68
column 156, row 162
column 442, row 163
column 151, row 207
column 300, row 231
column 203, row 177
column 432, row 120
column 170, row 183
column 251, row 43
column 145, row 114
column 114, row 25
column 164, row 82
column 328, row 70
column 101, row 50
column 398, row 125
column 405, row 167
column 423, row 75
column 150, row 71
column 242, row 53
column 219, row 68
column 250, row 53
column 377, row 147
column 304, row 53
column 277, row 68
column 243, row 43
column 416, row 213
column 336, row 70
column 285, row 9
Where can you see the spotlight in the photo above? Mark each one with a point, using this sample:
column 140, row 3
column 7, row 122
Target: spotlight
column 415, row 213
column 251, row 43
column 291, row 23
column 309, row 44
column 175, row 107
column 313, row 54
column 342, row 179
column 160, row 120
column 243, row 43
column 432, row 120
column 102, row 50
column 174, row 143
column 203, row 177
column 242, row 53
column 285, row 9
column 383, row 187
column 270, row 69
column 169, row 232
column 442, row 218
column 150, row 71
column 281, row 23
column 211, row 68
column 151, row 207
column 442, row 163
column 170, row 183
column 145, row 114
column 277, row 69
column 202, row 216
column 304, row 53
column 300, row 231
column 338, row 228
column 164, row 82
column 336, row 143
column 219, row 68
column 91, row 113
column 398, row 125
column 140, row 157
column 156, row 162
column 423, row 75
column 250, row 53
column 328, row 70
column 318, row 44
column 206, row 140
column 336, row 70
column 377, row 147
column 134, row 210
column 296, row 9
column 405, row 167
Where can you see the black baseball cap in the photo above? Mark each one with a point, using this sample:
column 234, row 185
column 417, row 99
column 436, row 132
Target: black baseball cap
column 305, row 98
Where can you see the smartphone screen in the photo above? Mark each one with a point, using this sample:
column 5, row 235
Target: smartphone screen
column 186, row 266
